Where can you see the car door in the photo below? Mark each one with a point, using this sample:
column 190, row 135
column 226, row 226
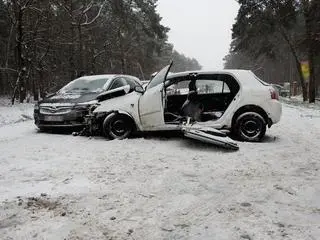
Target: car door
column 151, row 102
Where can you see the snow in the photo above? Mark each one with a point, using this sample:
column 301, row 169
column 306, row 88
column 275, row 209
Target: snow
column 14, row 113
column 298, row 101
column 66, row 96
column 56, row 186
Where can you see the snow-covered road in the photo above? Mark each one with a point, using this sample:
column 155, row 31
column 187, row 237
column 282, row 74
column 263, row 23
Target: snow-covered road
column 55, row 186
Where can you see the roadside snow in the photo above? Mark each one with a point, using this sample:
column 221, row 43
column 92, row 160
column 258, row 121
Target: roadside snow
column 55, row 186
column 298, row 101
column 14, row 113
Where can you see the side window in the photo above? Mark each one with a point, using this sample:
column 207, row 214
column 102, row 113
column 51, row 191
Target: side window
column 225, row 88
column 205, row 86
column 118, row 82
column 179, row 88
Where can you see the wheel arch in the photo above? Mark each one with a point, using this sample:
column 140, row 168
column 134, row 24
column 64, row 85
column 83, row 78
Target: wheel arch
column 250, row 108
column 124, row 113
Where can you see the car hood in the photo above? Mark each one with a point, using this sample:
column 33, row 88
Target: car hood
column 72, row 98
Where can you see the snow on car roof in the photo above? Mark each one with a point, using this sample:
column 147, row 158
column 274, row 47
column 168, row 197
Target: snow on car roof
column 108, row 76
column 95, row 77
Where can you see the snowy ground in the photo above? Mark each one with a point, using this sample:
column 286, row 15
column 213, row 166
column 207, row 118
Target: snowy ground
column 298, row 101
column 55, row 186
column 14, row 114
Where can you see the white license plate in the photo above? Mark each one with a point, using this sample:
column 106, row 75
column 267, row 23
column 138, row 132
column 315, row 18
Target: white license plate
column 53, row 118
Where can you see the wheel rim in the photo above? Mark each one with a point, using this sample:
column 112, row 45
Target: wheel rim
column 251, row 128
column 119, row 127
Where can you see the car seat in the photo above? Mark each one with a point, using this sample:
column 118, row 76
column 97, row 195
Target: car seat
column 192, row 107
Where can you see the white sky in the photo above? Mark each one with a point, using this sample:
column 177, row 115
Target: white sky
column 200, row 28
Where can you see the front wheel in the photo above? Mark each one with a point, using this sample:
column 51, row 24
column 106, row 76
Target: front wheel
column 250, row 127
column 117, row 126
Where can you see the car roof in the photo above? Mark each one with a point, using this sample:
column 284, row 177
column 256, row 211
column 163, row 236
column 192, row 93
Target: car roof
column 245, row 77
column 111, row 76
column 225, row 71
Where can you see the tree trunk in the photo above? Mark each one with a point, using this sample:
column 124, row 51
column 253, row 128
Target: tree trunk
column 8, row 55
column 34, row 91
column 19, row 85
column 41, row 87
column 2, row 84
column 16, row 88
column 71, row 47
column 298, row 65
column 312, row 82
column 310, row 46
column 21, row 63
column 80, row 48
column 123, row 65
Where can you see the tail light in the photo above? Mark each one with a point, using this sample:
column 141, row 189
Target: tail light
column 274, row 94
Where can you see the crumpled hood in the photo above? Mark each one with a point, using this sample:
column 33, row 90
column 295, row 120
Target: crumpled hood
column 70, row 98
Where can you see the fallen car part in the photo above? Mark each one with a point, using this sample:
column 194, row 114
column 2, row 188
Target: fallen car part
column 209, row 135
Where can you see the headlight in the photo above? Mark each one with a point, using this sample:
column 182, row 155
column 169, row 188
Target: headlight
column 85, row 105
column 81, row 107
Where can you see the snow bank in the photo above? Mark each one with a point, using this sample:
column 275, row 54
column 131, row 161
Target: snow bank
column 17, row 113
column 298, row 101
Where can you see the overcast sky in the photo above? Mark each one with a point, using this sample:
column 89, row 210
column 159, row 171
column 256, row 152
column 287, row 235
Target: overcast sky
column 200, row 28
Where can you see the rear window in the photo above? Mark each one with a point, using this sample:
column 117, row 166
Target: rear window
column 261, row 81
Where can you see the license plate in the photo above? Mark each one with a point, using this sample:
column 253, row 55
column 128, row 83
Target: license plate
column 53, row 118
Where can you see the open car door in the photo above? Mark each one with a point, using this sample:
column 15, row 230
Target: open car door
column 151, row 102
column 209, row 135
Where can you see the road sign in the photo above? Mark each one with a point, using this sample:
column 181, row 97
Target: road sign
column 305, row 70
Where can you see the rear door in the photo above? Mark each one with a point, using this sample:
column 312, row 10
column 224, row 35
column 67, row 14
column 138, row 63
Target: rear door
column 151, row 102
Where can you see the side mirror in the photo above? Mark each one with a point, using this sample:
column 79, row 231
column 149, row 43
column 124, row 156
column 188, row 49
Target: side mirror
column 139, row 89
column 49, row 94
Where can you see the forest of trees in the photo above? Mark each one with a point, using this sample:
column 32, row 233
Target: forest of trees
column 45, row 44
column 272, row 38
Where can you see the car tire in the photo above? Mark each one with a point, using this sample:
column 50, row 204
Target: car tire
column 250, row 127
column 117, row 126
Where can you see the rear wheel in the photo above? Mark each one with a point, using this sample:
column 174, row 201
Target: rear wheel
column 250, row 126
column 117, row 126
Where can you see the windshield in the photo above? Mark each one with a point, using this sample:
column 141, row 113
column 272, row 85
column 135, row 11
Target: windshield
column 85, row 85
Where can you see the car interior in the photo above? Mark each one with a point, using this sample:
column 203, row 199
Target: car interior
column 200, row 97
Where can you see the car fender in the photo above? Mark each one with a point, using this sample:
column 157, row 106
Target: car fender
column 113, row 113
column 127, row 104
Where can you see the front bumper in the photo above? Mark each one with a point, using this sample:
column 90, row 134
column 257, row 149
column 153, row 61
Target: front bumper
column 75, row 118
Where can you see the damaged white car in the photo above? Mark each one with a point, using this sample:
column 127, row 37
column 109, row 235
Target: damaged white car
column 205, row 105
